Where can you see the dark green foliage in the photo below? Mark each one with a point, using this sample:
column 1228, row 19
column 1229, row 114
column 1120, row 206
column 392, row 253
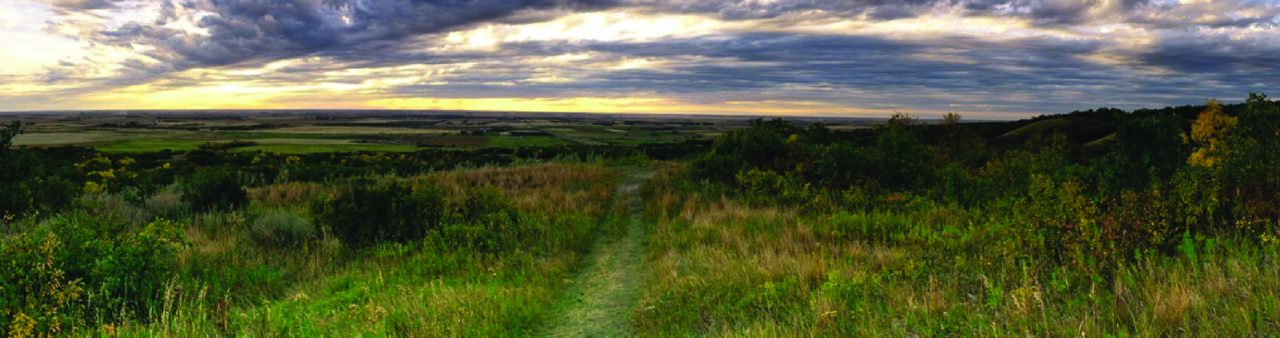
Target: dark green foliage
column 489, row 223
column 487, row 205
column 26, row 184
column 75, row 268
column 1145, row 150
column 897, row 158
column 7, row 134
column 900, row 159
column 1251, row 172
column 764, row 146
column 957, row 185
column 843, row 164
column 214, row 189
column 362, row 216
column 1089, row 188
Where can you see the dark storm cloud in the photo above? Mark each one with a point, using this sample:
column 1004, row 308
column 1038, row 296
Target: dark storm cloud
column 1051, row 73
column 247, row 30
column 1186, row 61
column 83, row 4
column 754, row 61
column 1044, row 12
column 1216, row 56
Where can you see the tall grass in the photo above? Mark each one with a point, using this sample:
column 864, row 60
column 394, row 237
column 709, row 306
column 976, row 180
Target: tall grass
column 723, row 268
column 267, row 270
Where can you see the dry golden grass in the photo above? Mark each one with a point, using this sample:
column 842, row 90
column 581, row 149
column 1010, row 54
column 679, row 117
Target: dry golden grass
column 292, row 194
column 1174, row 304
column 546, row 188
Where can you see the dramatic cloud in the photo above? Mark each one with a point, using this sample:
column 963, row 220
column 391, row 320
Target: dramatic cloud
column 990, row 58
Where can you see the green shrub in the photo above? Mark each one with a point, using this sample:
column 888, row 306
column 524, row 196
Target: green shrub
column 76, row 268
column 166, row 203
column 1061, row 222
column 770, row 188
column 362, row 216
column 214, row 189
column 489, row 222
column 280, row 228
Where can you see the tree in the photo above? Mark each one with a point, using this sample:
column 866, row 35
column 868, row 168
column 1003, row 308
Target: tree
column 764, row 146
column 958, row 145
column 7, row 134
column 902, row 158
column 1209, row 135
column 1249, row 168
column 1144, row 150
column 14, row 169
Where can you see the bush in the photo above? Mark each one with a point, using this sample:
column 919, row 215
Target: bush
column 215, row 189
column 166, row 204
column 1062, row 223
column 769, row 188
column 76, row 268
column 280, row 228
column 490, row 223
column 362, row 216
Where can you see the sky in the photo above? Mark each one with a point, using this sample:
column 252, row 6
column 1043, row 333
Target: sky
column 863, row 58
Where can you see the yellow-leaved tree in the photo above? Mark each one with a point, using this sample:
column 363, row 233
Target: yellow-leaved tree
column 1209, row 135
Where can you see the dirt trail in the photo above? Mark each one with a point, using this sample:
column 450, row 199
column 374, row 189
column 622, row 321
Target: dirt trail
column 603, row 294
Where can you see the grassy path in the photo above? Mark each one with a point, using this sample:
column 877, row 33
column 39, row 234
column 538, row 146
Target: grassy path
column 603, row 294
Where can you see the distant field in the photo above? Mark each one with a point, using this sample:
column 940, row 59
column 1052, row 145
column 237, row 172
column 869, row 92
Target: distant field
column 286, row 134
column 450, row 141
column 355, row 130
column 44, row 139
column 328, row 148
column 300, row 146
column 524, row 141
column 145, row 145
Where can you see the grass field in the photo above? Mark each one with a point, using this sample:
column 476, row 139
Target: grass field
column 52, row 139
column 302, row 148
column 234, row 285
column 313, row 139
column 524, row 141
column 723, row 268
column 779, row 230
column 370, row 130
column 147, row 145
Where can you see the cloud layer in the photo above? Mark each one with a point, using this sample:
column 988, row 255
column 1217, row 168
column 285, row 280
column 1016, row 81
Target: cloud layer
column 989, row 58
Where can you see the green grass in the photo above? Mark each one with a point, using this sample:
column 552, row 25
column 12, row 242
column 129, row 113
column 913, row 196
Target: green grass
column 393, row 293
column 600, row 299
column 227, row 283
column 722, row 268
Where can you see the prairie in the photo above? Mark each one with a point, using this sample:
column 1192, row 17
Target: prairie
column 1150, row 223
